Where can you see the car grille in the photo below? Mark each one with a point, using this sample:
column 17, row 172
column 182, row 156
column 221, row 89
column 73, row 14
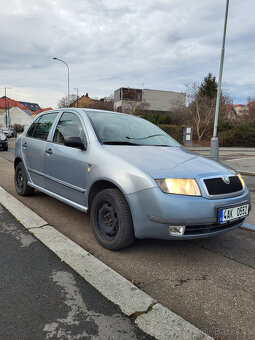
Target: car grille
column 217, row 186
column 210, row 228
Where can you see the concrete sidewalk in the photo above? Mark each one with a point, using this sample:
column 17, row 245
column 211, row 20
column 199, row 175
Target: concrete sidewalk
column 241, row 159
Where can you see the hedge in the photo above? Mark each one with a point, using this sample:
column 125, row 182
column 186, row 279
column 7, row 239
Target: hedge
column 173, row 130
column 237, row 134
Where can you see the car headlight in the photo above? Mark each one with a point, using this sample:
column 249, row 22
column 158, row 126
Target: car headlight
column 179, row 186
column 241, row 180
column 3, row 137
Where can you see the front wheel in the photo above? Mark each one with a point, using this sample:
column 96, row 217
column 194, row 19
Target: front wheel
column 111, row 220
column 20, row 178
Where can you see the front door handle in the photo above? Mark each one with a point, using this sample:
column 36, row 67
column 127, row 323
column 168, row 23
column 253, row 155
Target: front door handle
column 49, row 151
column 24, row 145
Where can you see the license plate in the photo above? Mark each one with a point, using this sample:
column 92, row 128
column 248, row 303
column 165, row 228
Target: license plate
column 230, row 214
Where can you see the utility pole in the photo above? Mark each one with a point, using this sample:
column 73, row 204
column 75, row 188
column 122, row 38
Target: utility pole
column 67, row 79
column 214, row 140
column 77, row 96
column 5, row 104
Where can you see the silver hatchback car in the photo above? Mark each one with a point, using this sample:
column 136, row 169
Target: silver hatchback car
column 133, row 178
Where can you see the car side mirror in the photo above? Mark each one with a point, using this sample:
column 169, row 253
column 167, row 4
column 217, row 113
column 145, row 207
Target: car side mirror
column 75, row 142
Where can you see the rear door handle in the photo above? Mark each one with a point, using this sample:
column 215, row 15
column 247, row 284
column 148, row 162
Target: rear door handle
column 49, row 151
column 24, row 145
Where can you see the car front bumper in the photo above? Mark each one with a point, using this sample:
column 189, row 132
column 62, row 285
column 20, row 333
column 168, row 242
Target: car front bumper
column 3, row 143
column 154, row 212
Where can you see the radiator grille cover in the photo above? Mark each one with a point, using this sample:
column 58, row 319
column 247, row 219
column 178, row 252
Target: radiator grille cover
column 217, row 186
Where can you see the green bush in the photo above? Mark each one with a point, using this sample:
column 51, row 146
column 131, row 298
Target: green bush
column 158, row 118
column 237, row 134
column 173, row 130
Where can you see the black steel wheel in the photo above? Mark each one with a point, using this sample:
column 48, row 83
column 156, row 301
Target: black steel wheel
column 111, row 220
column 20, row 178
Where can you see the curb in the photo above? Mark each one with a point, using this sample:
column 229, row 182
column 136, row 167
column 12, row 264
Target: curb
column 246, row 173
column 149, row 315
column 248, row 226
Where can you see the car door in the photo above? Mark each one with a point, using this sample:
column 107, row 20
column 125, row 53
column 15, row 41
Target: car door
column 33, row 147
column 65, row 167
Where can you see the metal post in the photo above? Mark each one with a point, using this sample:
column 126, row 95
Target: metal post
column 67, row 78
column 6, row 113
column 5, row 107
column 214, row 140
column 77, row 96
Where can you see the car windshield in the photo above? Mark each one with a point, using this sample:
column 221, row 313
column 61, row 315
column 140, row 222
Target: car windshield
column 120, row 129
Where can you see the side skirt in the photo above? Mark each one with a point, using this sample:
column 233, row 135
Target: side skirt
column 60, row 198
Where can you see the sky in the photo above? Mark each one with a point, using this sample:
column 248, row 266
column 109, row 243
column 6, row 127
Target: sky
column 108, row 44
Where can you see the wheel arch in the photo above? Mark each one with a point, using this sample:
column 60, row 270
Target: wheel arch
column 100, row 185
column 17, row 161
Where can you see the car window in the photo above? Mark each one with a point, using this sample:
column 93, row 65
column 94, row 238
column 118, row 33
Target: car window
column 30, row 131
column 69, row 125
column 120, row 129
column 41, row 127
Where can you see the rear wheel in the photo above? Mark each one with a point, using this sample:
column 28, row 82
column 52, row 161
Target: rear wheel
column 20, row 178
column 5, row 148
column 111, row 220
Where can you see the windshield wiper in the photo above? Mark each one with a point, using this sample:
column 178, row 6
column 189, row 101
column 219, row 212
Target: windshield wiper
column 119, row 143
column 159, row 134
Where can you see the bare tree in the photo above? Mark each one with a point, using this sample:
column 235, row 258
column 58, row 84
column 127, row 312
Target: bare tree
column 202, row 109
column 251, row 106
column 65, row 101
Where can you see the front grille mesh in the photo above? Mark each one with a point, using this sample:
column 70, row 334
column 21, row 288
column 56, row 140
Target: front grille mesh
column 217, row 186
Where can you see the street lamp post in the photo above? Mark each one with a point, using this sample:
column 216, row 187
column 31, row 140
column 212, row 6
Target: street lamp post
column 214, row 140
column 67, row 78
column 6, row 115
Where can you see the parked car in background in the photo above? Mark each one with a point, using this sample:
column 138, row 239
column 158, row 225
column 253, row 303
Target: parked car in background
column 9, row 132
column 135, row 179
column 12, row 132
column 3, row 141
column 5, row 130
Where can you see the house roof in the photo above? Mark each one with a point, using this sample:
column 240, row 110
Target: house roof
column 31, row 106
column 41, row 110
column 5, row 101
column 83, row 100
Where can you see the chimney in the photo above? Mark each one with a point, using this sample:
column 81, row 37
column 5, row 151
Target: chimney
column 87, row 94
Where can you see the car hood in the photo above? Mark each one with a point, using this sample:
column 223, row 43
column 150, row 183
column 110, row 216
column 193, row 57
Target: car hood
column 165, row 162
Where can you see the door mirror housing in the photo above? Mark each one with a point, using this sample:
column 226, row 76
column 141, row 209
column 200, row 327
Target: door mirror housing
column 75, row 142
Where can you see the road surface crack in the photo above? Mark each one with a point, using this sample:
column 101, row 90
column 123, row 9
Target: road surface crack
column 179, row 282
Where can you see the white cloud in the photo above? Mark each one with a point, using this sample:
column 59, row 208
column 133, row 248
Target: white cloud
column 162, row 44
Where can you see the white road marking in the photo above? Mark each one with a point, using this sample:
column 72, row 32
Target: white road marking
column 113, row 327
column 238, row 159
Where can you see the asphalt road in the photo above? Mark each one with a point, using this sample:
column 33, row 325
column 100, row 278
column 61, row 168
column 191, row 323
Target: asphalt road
column 43, row 298
column 210, row 283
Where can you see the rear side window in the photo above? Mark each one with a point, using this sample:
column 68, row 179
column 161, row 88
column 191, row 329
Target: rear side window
column 69, row 125
column 41, row 127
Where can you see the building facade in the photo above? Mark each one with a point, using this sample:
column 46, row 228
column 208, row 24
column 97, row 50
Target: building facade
column 130, row 100
column 15, row 116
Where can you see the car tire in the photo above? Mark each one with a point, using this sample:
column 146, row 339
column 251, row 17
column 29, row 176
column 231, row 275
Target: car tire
column 111, row 220
column 5, row 148
column 20, row 178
